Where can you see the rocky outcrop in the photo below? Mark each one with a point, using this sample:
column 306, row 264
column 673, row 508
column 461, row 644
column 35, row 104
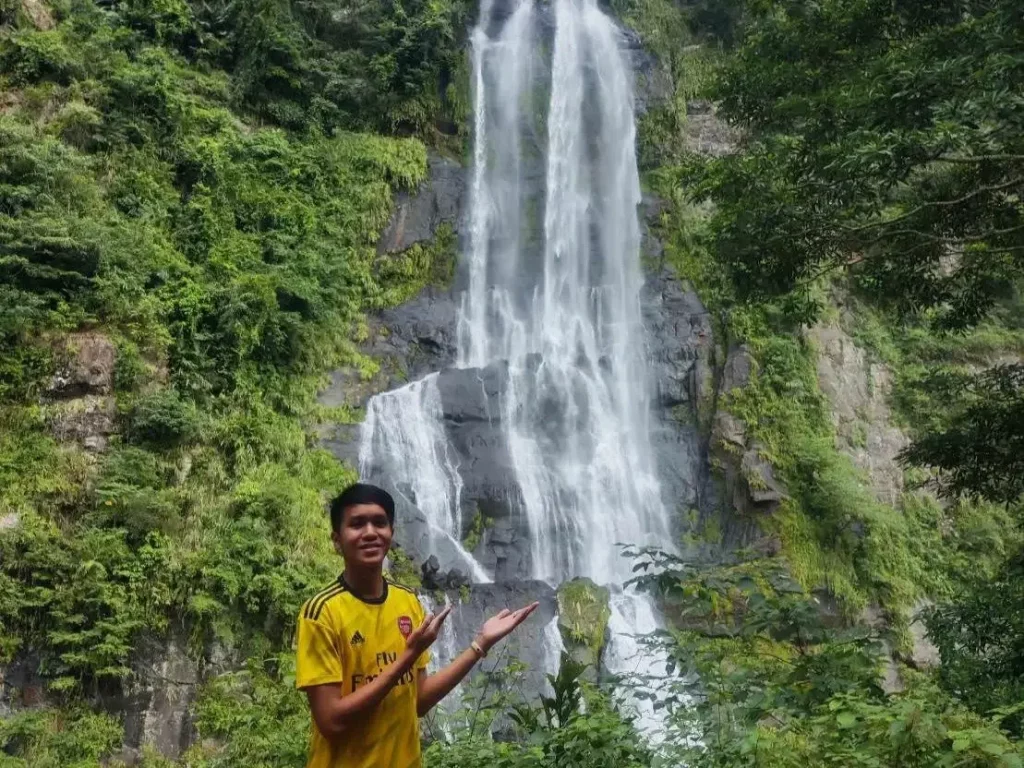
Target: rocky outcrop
column 85, row 366
column 418, row 336
column 750, row 488
column 78, row 401
column 418, row 215
column 652, row 80
column 583, row 614
column 532, row 643
column 155, row 702
column 707, row 134
column 39, row 13
column 156, row 706
column 857, row 390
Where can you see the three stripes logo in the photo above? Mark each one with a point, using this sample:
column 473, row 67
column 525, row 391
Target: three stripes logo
column 316, row 605
column 357, row 639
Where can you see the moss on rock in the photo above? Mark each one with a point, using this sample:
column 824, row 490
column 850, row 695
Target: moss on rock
column 583, row 614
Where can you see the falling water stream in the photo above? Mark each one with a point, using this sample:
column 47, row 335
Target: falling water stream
column 554, row 280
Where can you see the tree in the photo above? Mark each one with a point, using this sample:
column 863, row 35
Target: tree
column 885, row 138
column 981, row 451
column 981, row 639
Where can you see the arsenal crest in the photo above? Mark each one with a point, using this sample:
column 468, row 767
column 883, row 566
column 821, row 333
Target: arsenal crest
column 405, row 625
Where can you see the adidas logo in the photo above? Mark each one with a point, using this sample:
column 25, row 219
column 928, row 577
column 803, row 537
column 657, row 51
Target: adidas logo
column 357, row 639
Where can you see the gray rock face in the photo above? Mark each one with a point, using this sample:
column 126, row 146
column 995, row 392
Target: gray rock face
column 158, row 699
column 858, row 391
column 85, row 366
column 418, row 215
column 155, row 703
column 527, row 644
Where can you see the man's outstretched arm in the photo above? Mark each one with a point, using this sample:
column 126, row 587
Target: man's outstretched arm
column 430, row 690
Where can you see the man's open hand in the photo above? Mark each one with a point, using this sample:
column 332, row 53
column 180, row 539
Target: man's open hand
column 501, row 624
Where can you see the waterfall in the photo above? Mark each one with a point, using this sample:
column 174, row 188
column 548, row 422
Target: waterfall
column 402, row 438
column 553, row 287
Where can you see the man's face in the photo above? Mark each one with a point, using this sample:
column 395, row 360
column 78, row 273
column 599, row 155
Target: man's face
column 364, row 537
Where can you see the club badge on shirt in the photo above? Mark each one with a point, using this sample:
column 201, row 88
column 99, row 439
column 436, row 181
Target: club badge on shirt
column 405, row 625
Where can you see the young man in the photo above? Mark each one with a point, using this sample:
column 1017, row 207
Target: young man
column 362, row 647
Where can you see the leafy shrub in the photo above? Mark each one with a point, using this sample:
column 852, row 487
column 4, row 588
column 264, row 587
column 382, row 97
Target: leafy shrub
column 31, row 56
column 78, row 597
column 74, row 738
column 163, row 418
column 259, row 716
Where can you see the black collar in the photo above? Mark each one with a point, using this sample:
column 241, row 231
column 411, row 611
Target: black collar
column 367, row 600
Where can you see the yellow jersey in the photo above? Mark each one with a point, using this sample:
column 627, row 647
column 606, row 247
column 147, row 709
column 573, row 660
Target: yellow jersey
column 348, row 640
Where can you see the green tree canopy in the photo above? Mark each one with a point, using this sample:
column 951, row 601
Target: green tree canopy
column 884, row 137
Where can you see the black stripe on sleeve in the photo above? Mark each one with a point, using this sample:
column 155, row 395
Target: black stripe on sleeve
column 323, row 601
column 308, row 611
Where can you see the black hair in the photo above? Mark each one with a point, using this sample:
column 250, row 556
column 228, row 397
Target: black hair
column 361, row 493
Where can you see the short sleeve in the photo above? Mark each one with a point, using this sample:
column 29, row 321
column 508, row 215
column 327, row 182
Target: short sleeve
column 317, row 660
column 418, row 616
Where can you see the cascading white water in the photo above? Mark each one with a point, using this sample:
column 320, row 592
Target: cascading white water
column 577, row 405
column 403, row 438
column 553, row 290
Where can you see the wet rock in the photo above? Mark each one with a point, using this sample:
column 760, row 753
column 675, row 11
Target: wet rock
column 418, row 215
column 429, row 570
column 409, row 341
column 434, row 578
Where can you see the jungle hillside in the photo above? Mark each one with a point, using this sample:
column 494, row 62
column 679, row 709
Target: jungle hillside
column 192, row 194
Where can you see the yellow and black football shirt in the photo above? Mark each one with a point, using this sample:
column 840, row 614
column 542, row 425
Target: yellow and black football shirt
column 348, row 640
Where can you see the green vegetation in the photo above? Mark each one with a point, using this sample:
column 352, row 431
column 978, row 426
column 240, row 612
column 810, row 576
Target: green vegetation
column 200, row 188
column 777, row 685
column 477, row 526
column 684, row 71
column 183, row 183
column 882, row 140
column 583, row 614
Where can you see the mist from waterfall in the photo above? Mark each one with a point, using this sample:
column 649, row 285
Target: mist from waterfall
column 553, row 290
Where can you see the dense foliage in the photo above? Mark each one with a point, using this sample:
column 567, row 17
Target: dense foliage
column 152, row 202
column 196, row 185
column 767, row 679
